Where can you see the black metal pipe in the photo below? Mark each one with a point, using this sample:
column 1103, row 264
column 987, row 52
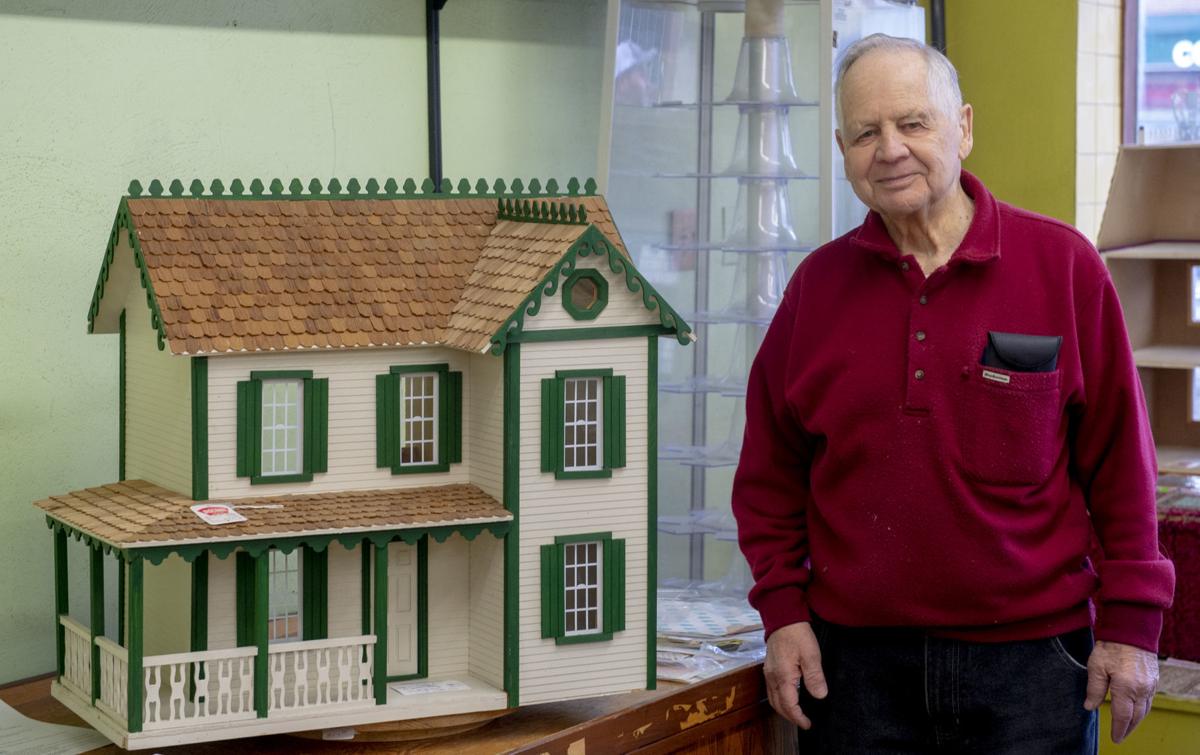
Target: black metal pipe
column 937, row 24
column 433, row 88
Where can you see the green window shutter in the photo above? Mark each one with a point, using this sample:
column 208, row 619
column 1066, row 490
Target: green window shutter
column 552, row 591
column 614, row 586
column 454, row 414
column 245, row 599
column 316, row 425
column 249, row 428
column 614, row 421
column 315, row 583
column 552, row 424
column 387, row 420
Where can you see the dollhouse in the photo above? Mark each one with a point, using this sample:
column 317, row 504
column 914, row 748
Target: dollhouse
column 385, row 453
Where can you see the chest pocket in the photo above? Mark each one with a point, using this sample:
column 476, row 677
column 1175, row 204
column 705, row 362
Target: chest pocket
column 1008, row 425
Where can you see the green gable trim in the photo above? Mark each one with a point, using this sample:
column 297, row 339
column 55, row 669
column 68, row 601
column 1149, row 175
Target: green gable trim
column 199, row 428
column 585, row 334
column 391, row 188
column 652, row 514
column 422, row 615
column 512, row 552
column 123, row 224
column 592, row 310
column 121, row 399
column 591, row 243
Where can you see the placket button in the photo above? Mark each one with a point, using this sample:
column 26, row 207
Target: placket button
column 920, row 335
column 919, row 374
column 923, row 299
column 904, row 266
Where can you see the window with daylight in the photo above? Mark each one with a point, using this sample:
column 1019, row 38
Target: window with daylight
column 1163, row 71
column 283, row 611
column 583, row 588
column 583, row 423
column 418, row 418
column 282, row 430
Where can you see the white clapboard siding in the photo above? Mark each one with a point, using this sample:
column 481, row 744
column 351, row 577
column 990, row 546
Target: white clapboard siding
column 624, row 307
column 449, row 608
column 345, row 591
column 222, row 602
column 167, row 606
column 486, row 653
column 351, row 375
column 158, row 392
column 483, row 436
column 551, row 507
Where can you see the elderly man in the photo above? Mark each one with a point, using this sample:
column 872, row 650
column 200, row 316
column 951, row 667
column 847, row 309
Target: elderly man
column 943, row 412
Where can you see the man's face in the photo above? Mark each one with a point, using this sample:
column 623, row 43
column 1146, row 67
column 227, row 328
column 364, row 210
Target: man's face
column 902, row 153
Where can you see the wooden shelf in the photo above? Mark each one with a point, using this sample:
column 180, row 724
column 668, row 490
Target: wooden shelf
column 1157, row 250
column 1169, row 357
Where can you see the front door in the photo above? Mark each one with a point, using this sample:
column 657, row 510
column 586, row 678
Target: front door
column 402, row 610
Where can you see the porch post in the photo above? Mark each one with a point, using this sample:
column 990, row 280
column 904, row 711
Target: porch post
column 381, row 626
column 61, row 606
column 134, row 648
column 97, row 623
column 262, row 573
column 120, row 599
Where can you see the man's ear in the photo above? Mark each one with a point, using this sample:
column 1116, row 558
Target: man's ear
column 837, row 134
column 966, row 123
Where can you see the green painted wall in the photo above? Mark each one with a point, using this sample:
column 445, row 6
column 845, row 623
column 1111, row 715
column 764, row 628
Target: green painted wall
column 1016, row 65
column 94, row 94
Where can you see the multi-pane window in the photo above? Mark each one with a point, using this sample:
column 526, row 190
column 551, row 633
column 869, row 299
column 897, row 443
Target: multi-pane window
column 282, row 417
column 284, row 596
column 418, row 418
column 581, row 584
column 581, row 424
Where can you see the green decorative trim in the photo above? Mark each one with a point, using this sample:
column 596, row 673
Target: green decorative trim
column 62, row 605
column 381, row 627
column 133, row 649
column 88, row 539
column 199, row 428
column 365, row 572
column 262, row 692
column 525, row 211
column 120, row 601
column 315, row 585
column 585, row 334
column 612, row 588
column 123, row 223
column 512, row 544
column 354, row 189
column 121, row 398
column 592, row 242
column 593, row 310
column 652, row 513
column 96, row 572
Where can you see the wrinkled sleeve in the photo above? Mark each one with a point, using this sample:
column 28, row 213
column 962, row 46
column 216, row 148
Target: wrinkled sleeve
column 1113, row 456
column 771, row 486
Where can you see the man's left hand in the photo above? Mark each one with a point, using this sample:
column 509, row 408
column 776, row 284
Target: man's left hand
column 1131, row 675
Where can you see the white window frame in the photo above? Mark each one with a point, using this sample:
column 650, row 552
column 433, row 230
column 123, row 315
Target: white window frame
column 573, row 429
column 407, row 421
column 280, row 566
column 271, row 450
column 576, row 591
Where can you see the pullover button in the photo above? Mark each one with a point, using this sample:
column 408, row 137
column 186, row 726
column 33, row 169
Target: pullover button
column 920, row 374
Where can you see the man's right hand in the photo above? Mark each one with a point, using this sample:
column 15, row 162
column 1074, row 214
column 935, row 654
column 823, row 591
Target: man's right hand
column 793, row 655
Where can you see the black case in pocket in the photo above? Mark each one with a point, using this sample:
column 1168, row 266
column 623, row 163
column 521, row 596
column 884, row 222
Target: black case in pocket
column 1019, row 352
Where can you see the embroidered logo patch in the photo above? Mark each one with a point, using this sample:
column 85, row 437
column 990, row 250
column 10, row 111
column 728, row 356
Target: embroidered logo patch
column 996, row 377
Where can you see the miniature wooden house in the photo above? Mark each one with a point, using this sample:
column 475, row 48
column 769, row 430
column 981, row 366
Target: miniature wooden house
column 1150, row 239
column 434, row 418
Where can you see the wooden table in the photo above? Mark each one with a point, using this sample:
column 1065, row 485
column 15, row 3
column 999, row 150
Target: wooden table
column 726, row 714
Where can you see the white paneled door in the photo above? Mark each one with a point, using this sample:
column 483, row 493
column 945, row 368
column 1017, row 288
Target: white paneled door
column 402, row 609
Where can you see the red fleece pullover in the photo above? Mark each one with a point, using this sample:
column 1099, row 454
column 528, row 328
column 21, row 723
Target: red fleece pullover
column 884, row 481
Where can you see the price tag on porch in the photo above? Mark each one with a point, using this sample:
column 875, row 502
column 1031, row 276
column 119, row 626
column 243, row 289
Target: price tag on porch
column 217, row 513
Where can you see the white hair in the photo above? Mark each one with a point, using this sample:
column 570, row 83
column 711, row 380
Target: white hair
column 942, row 77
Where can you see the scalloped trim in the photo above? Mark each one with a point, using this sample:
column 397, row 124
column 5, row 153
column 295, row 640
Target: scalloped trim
column 592, row 242
column 354, row 189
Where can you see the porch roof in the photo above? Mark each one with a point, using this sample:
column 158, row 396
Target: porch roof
column 137, row 514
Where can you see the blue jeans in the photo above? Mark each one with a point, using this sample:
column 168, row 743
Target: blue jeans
column 902, row 691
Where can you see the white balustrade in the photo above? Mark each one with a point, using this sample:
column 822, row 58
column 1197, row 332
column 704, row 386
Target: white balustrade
column 190, row 688
column 77, row 657
column 321, row 674
column 114, row 678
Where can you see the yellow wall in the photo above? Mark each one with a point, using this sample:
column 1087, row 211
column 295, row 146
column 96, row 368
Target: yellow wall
column 1016, row 66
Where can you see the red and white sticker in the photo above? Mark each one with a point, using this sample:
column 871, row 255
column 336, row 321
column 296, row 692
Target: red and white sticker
column 217, row 513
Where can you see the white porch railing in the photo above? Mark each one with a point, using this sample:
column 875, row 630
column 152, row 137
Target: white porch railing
column 77, row 657
column 221, row 687
column 321, row 674
column 114, row 678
